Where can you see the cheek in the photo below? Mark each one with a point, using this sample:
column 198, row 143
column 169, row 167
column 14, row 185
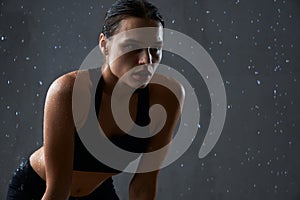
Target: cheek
column 123, row 64
column 157, row 57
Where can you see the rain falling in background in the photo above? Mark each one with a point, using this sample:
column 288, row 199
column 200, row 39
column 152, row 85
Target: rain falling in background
column 253, row 43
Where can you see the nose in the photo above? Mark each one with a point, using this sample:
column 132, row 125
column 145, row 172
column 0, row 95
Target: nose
column 145, row 56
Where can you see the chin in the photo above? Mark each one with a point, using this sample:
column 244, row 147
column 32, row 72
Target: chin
column 137, row 84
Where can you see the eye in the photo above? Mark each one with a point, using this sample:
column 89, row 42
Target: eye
column 155, row 49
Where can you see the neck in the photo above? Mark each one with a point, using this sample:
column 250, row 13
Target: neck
column 109, row 82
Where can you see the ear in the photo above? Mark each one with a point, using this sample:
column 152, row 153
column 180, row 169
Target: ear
column 103, row 44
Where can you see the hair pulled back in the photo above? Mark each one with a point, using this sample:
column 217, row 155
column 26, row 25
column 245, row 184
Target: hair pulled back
column 122, row 9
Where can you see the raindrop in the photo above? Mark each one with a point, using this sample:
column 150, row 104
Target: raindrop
column 259, row 164
column 41, row 83
column 258, row 132
column 2, row 38
column 258, row 82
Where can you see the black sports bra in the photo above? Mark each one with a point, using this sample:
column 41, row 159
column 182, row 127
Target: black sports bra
column 84, row 160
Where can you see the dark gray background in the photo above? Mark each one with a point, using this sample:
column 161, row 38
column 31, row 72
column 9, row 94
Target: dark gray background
column 255, row 45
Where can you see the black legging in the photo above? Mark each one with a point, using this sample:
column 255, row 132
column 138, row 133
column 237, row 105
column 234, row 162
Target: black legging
column 27, row 184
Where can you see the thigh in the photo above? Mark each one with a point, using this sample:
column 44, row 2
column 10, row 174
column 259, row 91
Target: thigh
column 26, row 184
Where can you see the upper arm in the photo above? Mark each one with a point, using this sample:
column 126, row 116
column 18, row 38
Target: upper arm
column 59, row 137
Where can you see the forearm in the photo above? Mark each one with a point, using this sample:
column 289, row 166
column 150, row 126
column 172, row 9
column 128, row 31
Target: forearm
column 56, row 194
column 142, row 192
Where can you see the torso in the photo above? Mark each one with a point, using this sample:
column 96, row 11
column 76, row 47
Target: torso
column 83, row 182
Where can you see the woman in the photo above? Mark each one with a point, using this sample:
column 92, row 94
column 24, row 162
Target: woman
column 63, row 168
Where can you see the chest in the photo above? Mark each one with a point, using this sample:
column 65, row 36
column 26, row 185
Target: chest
column 111, row 122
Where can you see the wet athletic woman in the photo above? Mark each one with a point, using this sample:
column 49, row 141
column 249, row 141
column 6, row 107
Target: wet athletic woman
column 63, row 168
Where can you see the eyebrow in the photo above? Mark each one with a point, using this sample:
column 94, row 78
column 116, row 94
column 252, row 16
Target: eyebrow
column 138, row 41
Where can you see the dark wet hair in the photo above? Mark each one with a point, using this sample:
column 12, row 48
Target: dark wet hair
column 122, row 9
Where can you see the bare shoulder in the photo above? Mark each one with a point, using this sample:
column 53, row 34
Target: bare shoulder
column 65, row 83
column 167, row 89
column 72, row 93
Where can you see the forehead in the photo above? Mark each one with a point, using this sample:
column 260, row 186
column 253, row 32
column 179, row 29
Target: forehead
column 139, row 29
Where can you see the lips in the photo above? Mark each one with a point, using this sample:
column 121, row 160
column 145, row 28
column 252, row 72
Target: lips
column 142, row 75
